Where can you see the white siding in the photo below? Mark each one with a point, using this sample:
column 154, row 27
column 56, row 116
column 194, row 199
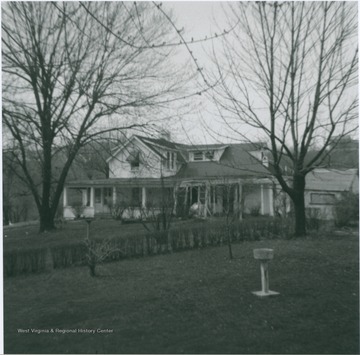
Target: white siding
column 150, row 163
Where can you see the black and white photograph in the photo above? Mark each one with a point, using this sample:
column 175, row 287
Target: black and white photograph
column 180, row 177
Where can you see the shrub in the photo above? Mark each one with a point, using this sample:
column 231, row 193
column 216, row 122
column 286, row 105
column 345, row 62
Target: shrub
column 255, row 211
column 78, row 209
column 94, row 251
column 346, row 209
column 117, row 209
column 67, row 255
column 24, row 262
column 313, row 218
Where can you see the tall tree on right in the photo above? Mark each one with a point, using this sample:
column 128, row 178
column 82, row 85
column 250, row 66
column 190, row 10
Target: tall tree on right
column 289, row 72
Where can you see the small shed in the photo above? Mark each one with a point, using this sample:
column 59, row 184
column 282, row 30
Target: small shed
column 324, row 187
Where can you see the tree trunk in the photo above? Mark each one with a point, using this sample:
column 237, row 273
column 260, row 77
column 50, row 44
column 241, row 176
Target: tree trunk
column 46, row 220
column 299, row 205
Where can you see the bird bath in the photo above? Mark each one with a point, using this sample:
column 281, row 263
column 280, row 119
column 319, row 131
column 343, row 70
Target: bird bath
column 264, row 256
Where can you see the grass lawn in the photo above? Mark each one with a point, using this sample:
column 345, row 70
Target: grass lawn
column 195, row 302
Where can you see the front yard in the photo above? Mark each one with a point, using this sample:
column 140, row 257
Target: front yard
column 194, row 302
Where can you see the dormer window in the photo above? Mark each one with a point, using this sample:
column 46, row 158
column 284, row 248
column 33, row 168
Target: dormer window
column 198, row 156
column 209, row 155
column 203, row 155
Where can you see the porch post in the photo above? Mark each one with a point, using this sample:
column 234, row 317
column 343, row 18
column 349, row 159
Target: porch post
column 84, row 197
column 92, row 196
column 65, row 202
column 114, row 195
column 143, row 197
column 214, row 198
column 262, row 198
column 236, row 198
column 186, row 195
column 102, row 196
column 271, row 201
column 175, row 198
column 240, row 187
column 206, row 199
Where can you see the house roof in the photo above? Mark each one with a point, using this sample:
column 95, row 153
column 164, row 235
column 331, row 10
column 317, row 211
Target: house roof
column 331, row 179
column 159, row 141
column 245, row 146
column 236, row 161
column 343, row 159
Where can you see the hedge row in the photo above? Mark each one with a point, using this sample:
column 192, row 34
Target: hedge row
column 183, row 238
column 19, row 262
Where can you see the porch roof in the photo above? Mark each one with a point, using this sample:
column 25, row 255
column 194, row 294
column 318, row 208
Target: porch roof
column 156, row 182
column 123, row 182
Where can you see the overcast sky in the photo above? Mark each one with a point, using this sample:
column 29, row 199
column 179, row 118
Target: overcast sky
column 199, row 20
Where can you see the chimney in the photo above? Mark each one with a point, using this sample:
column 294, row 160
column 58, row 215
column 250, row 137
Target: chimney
column 265, row 161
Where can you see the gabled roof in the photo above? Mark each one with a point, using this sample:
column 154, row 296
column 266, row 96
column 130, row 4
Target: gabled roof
column 153, row 145
column 331, row 179
column 159, row 141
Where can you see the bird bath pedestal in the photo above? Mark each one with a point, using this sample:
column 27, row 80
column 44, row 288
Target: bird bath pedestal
column 264, row 256
column 88, row 220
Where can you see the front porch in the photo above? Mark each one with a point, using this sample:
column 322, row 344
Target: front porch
column 143, row 198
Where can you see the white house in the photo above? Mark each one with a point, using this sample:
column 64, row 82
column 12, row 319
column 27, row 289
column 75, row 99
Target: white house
column 216, row 178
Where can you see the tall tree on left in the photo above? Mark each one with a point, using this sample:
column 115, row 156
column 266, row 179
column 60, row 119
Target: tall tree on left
column 73, row 72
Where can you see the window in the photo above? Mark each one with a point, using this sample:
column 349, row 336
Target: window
column 168, row 160
column 134, row 165
column 134, row 160
column 173, row 157
column 198, row 156
column 209, row 155
column 322, row 199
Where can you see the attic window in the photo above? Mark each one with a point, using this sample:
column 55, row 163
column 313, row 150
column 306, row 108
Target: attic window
column 198, row 156
column 134, row 160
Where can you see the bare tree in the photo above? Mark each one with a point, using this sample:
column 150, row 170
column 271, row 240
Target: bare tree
column 289, row 72
column 73, row 71
column 231, row 210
